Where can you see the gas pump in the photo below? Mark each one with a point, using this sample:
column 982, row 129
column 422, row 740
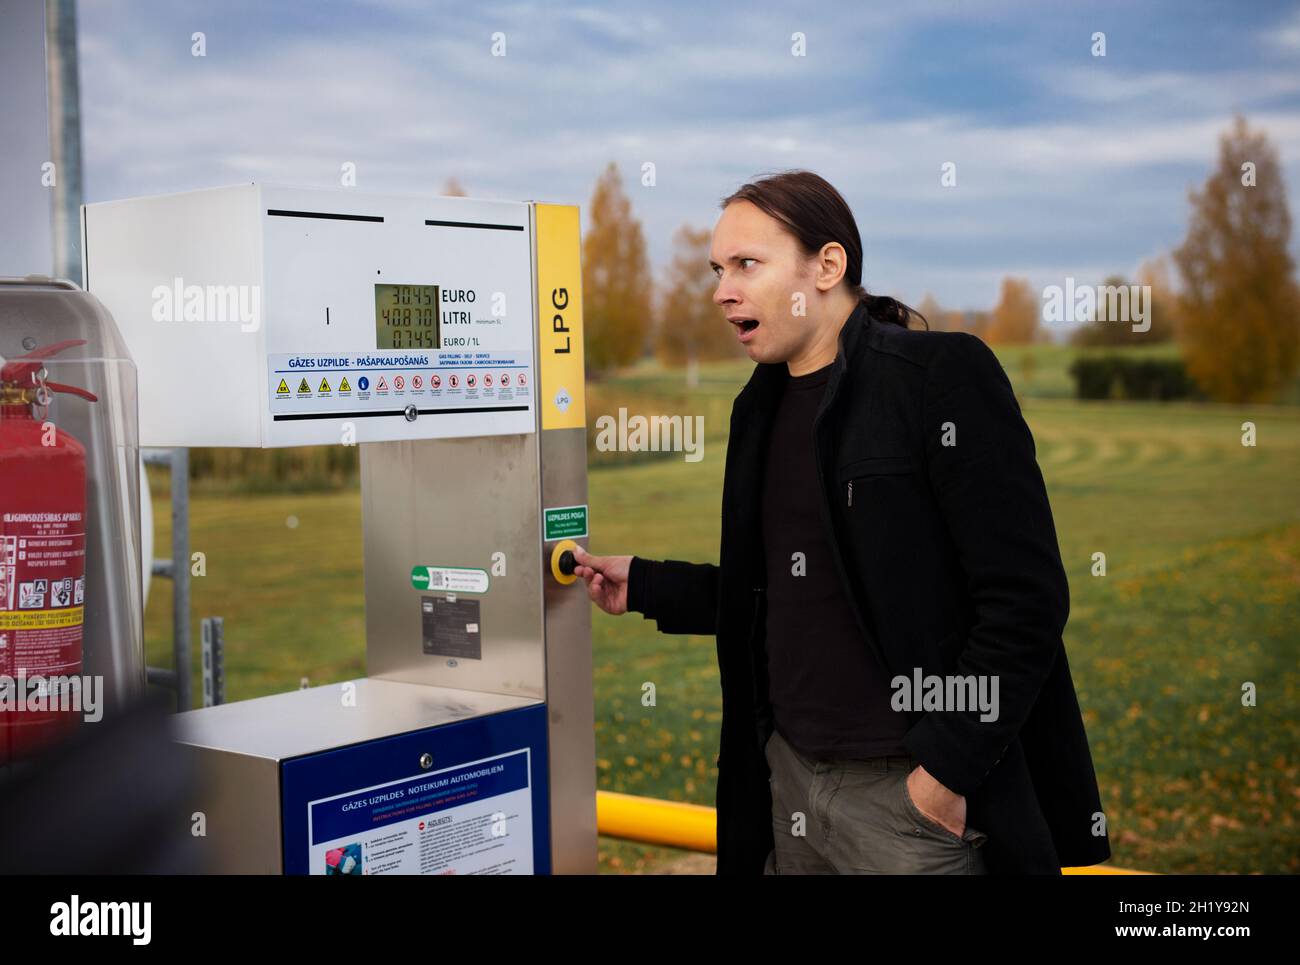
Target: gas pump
column 444, row 337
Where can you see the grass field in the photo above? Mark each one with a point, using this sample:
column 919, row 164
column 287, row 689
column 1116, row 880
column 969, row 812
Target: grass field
column 1202, row 595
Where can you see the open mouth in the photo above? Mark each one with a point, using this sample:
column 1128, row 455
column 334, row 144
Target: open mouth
column 744, row 327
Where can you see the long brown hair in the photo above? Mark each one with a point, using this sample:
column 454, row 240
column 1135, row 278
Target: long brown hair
column 815, row 213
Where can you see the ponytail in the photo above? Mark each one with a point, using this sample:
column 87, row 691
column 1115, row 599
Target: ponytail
column 882, row 308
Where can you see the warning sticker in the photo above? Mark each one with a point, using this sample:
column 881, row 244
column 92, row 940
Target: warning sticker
column 455, row 579
column 451, row 627
column 318, row 386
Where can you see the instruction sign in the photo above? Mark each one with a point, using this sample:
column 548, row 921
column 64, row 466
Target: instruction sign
column 564, row 522
column 473, row 818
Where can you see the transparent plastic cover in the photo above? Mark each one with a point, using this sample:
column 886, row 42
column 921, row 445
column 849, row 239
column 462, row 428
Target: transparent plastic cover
column 71, row 608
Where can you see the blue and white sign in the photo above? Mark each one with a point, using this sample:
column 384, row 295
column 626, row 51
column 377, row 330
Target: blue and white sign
column 462, row 798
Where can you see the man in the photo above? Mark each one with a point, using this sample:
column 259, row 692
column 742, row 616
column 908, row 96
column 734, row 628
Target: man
column 884, row 525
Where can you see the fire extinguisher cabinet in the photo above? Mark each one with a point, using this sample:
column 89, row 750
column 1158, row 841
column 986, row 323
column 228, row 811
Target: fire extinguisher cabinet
column 71, row 610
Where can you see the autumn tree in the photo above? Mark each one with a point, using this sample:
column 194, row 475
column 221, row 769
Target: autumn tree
column 1240, row 305
column 1164, row 306
column 690, row 327
column 616, row 285
column 1015, row 317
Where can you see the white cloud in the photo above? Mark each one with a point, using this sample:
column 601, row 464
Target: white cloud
column 1285, row 35
column 1164, row 92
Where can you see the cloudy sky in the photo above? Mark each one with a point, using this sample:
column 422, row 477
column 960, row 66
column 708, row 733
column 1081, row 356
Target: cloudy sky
column 1067, row 164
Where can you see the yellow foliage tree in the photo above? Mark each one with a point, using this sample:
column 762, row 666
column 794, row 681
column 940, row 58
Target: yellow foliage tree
column 1240, row 307
column 690, row 327
column 616, row 285
column 1015, row 317
column 1163, row 307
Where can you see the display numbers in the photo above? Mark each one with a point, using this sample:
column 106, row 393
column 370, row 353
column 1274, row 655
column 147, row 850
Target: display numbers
column 406, row 316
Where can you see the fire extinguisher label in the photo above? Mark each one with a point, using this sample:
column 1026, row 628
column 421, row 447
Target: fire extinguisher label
column 41, row 619
column 42, row 590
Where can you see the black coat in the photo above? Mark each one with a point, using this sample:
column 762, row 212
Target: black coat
column 950, row 557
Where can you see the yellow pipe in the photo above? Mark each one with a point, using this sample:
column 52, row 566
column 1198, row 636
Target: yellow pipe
column 694, row 827
column 651, row 821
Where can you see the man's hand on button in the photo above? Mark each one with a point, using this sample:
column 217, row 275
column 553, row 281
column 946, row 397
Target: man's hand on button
column 606, row 579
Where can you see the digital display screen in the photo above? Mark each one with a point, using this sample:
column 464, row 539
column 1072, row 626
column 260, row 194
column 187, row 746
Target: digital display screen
column 406, row 316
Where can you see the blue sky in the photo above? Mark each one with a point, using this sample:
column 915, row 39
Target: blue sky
column 1067, row 164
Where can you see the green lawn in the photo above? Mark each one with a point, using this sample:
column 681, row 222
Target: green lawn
column 1202, row 541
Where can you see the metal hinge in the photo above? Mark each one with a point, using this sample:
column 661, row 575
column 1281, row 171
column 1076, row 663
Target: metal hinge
column 850, row 492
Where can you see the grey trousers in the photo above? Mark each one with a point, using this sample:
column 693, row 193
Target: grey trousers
column 855, row 816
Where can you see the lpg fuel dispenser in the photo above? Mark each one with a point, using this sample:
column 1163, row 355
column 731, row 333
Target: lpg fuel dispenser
column 444, row 337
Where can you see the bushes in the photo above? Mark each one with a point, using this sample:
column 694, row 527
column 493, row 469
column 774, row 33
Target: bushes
column 296, row 469
column 1123, row 377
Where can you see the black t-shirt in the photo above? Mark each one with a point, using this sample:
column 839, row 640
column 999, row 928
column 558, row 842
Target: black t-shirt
column 829, row 692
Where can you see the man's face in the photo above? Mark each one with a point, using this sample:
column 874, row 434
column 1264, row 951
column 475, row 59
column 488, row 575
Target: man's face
column 760, row 267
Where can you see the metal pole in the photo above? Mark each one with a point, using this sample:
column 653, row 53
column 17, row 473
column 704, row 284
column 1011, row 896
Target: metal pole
column 65, row 135
column 181, row 576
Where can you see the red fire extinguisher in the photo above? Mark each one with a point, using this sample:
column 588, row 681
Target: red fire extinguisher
column 42, row 557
